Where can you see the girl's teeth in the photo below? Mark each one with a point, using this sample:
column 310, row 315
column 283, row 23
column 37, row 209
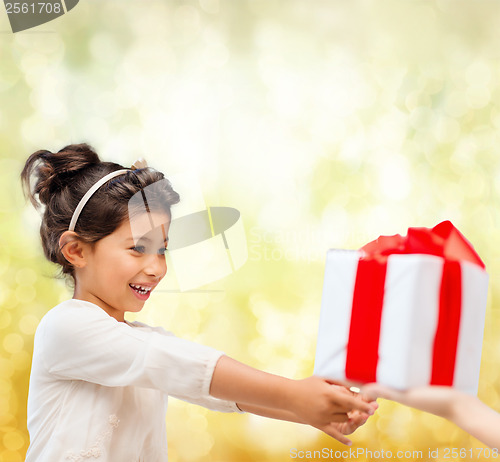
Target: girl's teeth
column 140, row 289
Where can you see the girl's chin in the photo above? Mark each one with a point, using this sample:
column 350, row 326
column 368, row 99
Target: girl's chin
column 136, row 309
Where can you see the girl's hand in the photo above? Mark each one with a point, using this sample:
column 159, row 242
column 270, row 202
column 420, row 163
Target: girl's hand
column 331, row 408
column 356, row 419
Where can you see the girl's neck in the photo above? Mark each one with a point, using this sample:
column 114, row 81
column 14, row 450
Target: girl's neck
column 114, row 313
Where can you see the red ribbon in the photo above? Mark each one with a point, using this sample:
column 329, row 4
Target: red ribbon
column 445, row 241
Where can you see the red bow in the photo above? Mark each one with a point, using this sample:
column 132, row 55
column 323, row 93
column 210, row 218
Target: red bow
column 444, row 240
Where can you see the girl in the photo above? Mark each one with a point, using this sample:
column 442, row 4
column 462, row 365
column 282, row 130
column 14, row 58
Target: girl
column 466, row 411
column 99, row 384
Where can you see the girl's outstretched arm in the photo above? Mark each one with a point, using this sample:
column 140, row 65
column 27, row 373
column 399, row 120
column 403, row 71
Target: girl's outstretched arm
column 466, row 411
column 356, row 418
column 313, row 401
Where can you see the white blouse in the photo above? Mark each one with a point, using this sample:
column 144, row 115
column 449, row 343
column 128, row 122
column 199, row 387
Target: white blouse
column 99, row 388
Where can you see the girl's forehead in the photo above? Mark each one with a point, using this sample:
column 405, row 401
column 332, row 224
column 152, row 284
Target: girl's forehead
column 142, row 223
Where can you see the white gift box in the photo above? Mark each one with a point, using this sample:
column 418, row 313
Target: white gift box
column 408, row 323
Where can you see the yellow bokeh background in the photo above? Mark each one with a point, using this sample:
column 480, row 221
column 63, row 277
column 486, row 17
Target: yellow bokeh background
column 325, row 123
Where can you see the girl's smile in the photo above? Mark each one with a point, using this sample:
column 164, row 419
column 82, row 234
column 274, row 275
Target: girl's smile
column 141, row 291
column 120, row 271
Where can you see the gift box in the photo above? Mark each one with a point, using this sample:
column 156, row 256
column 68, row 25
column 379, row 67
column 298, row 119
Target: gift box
column 404, row 311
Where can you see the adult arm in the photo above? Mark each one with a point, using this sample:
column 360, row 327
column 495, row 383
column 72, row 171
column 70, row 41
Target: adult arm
column 464, row 410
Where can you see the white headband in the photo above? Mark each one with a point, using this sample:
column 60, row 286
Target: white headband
column 89, row 194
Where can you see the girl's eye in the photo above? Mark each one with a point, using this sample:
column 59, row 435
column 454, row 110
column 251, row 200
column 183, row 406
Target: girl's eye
column 142, row 249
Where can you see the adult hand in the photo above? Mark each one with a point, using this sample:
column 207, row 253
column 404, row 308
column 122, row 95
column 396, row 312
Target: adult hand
column 434, row 399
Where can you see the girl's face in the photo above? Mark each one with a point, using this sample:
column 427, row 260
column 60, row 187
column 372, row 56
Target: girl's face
column 122, row 269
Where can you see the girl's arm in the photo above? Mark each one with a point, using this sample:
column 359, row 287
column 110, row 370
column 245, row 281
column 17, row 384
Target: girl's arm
column 313, row 401
column 356, row 418
column 466, row 411
column 270, row 412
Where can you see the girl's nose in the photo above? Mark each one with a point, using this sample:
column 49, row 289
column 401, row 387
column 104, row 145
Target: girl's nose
column 156, row 266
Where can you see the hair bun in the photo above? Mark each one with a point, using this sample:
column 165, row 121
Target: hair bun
column 52, row 171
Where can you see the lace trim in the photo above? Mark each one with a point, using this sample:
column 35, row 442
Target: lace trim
column 96, row 450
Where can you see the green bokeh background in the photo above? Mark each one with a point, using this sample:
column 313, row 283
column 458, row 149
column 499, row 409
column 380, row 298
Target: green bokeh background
column 325, row 123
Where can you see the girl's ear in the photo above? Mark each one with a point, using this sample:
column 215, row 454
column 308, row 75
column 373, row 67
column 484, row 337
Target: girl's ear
column 72, row 249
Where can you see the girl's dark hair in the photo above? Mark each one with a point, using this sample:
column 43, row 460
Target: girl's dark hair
column 58, row 180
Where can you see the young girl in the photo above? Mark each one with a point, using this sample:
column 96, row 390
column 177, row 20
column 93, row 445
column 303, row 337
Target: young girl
column 99, row 384
column 466, row 411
